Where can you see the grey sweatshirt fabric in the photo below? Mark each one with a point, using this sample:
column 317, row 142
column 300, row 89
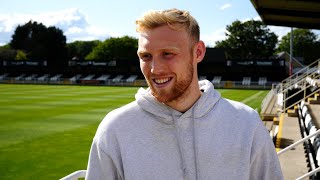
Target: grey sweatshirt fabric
column 215, row 139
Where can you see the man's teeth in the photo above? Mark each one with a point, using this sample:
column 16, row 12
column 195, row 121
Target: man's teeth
column 161, row 81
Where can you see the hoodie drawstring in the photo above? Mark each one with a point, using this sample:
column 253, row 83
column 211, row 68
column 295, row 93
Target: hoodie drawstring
column 194, row 143
column 183, row 164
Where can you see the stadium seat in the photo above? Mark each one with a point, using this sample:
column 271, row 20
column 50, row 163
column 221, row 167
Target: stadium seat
column 313, row 129
column 132, row 78
column 262, row 81
column 304, row 112
column 216, row 80
column 18, row 78
column 56, row 77
column 103, row 77
column 2, row 77
column 31, row 77
column 316, row 144
column 89, row 77
column 246, row 81
column 75, row 78
column 202, row 78
column 117, row 78
column 43, row 78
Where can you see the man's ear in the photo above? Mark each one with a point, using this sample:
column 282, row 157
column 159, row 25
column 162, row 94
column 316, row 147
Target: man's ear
column 200, row 51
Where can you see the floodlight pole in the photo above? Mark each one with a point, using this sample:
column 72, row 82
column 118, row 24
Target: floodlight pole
column 291, row 51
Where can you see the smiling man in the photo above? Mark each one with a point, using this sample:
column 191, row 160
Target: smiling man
column 179, row 127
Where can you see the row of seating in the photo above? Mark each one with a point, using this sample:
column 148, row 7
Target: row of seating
column 34, row 77
column 313, row 81
column 104, row 77
column 119, row 78
column 308, row 127
column 245, row 81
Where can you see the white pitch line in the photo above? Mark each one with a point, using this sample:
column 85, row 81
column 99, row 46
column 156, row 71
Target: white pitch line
column 252, row 97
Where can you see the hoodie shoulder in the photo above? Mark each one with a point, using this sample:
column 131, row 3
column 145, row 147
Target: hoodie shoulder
column 117, row 117
column 240, row 112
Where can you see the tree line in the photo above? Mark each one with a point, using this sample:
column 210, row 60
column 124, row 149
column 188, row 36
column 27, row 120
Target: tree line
column 244, row 40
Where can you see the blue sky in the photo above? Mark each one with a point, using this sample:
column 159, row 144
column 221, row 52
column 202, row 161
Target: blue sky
column 100, row 19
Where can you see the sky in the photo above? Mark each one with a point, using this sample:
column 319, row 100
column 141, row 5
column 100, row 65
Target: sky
column 100, row 19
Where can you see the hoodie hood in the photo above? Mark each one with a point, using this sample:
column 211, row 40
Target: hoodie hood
column 201, row 107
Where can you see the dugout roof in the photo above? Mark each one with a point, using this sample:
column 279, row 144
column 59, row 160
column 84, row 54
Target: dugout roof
column 291, row 13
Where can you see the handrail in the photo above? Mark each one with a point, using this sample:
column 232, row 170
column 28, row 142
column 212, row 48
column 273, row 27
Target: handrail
column 309, row 174
column 301, row 70
column 298, row 142
column 75, row 175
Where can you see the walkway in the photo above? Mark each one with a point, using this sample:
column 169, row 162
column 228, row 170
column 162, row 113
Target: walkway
column 293, row 163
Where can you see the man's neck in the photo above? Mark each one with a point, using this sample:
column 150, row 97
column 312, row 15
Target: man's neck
column 187, row 100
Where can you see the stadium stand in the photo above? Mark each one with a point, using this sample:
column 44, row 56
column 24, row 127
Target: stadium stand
column 296, row 100
column 262, row 81
column 311, row 146
column 117, row 78
column 75, row 78
column 103, row 77
column 132, row 78
column 216, row 80
column 246, row 81
column 20, row 77
column 55, row 78
column 31, row 77
column 202, row 77
column 3, row 76
column 45, row 77
column 89, row 77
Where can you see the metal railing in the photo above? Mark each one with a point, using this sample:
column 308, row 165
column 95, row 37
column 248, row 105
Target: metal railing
column 295, row 81
column 75, row 175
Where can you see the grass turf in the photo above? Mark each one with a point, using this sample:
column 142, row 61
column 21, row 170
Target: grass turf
column 46, row 130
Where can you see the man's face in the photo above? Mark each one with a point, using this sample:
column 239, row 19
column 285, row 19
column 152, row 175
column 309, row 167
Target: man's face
column 166, row 62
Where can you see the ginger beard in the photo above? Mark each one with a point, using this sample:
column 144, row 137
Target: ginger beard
column 180, row 86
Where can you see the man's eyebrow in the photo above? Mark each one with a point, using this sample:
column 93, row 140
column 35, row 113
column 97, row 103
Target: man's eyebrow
column 141, row 52
column 170, row 48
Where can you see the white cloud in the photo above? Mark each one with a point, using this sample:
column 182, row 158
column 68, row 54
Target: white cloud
column 225, row 6
column 211, row 39
column 280, row 31
column 72, row 22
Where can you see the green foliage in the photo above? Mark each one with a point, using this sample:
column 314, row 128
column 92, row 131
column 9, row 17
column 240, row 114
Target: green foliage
column 7, row 54
column 250, row 39
column 80, row 49
column 40, row 43
column 305, row 44
column 21, row 55
column 115, row 48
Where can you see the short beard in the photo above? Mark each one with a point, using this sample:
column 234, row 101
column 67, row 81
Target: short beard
column 180, row 87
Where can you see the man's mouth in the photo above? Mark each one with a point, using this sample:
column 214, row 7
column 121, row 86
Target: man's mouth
column 160, row 81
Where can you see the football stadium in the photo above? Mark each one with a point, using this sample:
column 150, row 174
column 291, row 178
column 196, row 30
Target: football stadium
column 49, row 115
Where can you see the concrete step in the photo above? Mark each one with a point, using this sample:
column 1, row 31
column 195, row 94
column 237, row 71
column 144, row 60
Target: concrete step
column 293, row 162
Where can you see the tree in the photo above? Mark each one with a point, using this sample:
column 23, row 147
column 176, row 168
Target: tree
column 40, row 43
column 7, row 54
column 305, row 45
column 80, row 49
column 115, row 48
column 21, row 55
column 250, row 39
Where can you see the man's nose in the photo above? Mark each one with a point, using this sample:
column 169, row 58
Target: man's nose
column 157, row 65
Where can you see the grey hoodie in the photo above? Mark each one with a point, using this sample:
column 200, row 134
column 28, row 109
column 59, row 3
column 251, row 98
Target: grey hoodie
column 215, row 139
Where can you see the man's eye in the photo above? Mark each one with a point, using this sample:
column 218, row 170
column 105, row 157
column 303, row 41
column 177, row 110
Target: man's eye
column 168, row 54
column 146, row 57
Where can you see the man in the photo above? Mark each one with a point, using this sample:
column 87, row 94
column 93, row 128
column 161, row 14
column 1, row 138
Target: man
column 179, row 128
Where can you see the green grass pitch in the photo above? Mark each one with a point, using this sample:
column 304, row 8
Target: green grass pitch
column 46, row 130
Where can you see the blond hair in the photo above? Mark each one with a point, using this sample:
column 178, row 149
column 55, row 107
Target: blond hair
column 174, row 18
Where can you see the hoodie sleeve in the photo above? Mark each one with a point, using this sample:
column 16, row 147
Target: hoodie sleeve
column 101, row 166
column 264, row 160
